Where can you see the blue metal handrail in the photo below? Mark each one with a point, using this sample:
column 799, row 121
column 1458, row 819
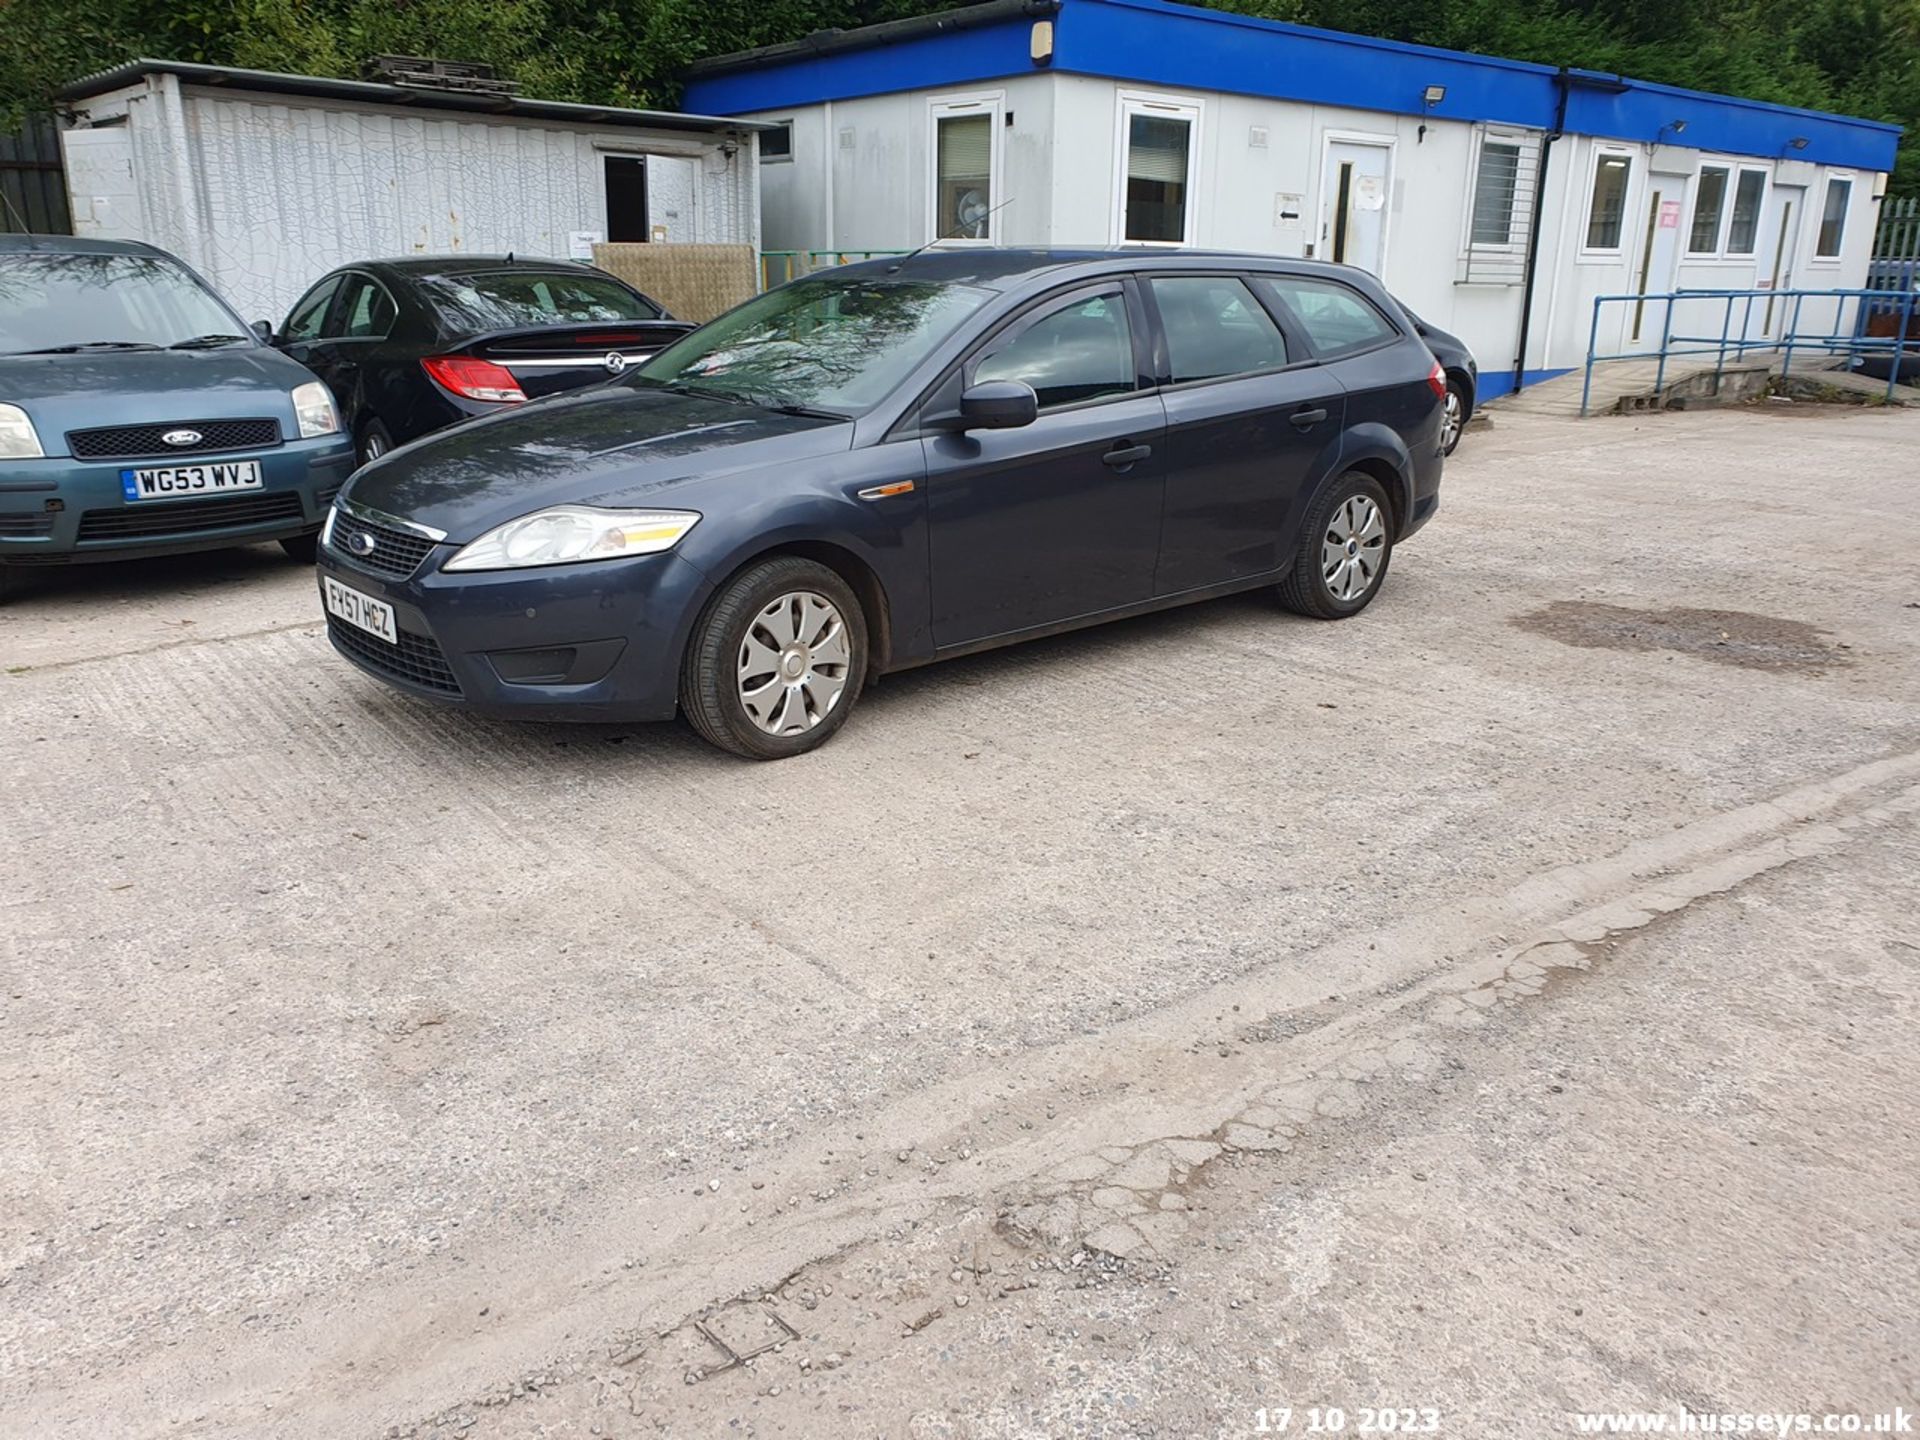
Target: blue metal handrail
column 1843, row 338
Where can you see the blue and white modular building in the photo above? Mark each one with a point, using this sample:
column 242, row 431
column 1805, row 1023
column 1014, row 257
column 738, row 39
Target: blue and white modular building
column 1496, row 197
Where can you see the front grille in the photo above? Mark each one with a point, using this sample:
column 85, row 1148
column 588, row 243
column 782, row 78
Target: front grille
column 120, row 442
column 25, row 527
column 416, row 659
column 395, row 553
column 161, row 518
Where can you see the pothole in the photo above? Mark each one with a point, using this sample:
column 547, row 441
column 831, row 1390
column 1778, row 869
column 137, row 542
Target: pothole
column 1727, row 637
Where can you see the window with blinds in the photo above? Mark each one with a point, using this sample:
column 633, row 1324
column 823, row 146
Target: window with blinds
column 1158, row 153
column 963, row 176
column 1500, row 217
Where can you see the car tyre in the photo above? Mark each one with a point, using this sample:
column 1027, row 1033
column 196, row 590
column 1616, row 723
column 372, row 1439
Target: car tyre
column 374, row 442
column 11, row 582
column 1345, row 548
column 776, row 661
column 1453, row 423
column 301, row 548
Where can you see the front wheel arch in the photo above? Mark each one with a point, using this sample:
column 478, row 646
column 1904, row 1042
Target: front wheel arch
column 860, row 578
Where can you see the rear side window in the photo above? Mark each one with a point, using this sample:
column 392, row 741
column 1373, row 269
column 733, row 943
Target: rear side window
column 1338, row 320
column 1081, row 351
column 1215, row 327
column 310, row 311
column 368, row 312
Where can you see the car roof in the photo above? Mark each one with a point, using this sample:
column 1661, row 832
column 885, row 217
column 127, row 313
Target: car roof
column 75, row 245
column 1008, row 268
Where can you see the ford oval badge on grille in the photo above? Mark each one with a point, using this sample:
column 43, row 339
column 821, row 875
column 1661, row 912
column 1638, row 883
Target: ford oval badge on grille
column 182, row 437
column 361, row 543
column 615, row 363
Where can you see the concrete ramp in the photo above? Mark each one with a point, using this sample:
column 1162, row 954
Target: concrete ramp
column 1631, row 384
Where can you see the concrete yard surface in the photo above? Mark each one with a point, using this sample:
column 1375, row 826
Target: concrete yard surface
column 1500, row 1005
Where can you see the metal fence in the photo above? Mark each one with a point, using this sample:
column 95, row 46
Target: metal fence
column 1894, row 269
column 33, row 186
column 1731, row 324
column 777, row 267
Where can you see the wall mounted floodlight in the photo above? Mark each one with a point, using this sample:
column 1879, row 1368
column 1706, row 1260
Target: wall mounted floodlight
column 1433, row 95
column 1799, row 142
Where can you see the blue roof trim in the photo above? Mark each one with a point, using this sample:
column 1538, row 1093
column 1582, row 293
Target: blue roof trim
column 1179, row 47
column 932, row 62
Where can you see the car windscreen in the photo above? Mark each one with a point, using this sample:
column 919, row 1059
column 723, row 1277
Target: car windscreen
column 519, row 298
column 55, row 302
column 833, row 343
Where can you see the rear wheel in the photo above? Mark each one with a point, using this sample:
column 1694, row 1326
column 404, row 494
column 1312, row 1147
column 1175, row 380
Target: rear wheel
column 374, row 442
column 10, row 582
column 301, row 548
column 1453, row 421
column 1345, row 548
column 777, row 661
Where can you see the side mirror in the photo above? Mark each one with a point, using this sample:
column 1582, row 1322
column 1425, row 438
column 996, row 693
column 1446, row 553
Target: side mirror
column 264, row 329
column 999, row 405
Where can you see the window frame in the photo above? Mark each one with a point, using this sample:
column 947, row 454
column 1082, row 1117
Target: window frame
column 1292, row 324
column 1299, row 353
column 1594, row 254
column 1759, row 211
column 1515, row 243
column 1722, row 250
column 335, row 280
column 1045, row 307
column 1166, row 106
column 1721, row 217
column 958, row 105
column 338, row 309
column 760, row 141
column 1851, row 180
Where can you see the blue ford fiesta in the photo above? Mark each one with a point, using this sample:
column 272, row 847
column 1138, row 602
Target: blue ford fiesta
column 888, row 464
column 140, row 416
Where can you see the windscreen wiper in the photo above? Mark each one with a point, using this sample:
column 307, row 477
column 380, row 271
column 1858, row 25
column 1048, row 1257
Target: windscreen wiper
column 91, row 345
column 208, row 342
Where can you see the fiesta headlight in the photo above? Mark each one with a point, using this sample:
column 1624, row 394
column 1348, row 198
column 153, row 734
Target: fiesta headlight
column 18, row 439
column 568, row 534
column 313, row 408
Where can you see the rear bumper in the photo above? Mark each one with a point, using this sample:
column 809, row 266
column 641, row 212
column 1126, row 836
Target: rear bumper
column 593, row 642
column 61, row 511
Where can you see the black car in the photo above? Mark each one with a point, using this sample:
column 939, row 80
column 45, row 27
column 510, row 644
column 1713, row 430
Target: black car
column 891, row 463
column 409, row 346
column 1463, row 378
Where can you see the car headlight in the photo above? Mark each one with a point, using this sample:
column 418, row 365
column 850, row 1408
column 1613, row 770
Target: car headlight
column 313, row 408
column 567, row 534
column 18, row 439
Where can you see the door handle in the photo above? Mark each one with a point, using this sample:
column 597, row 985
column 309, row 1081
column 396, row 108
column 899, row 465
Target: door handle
column 1307, row 419
column 1122, row 457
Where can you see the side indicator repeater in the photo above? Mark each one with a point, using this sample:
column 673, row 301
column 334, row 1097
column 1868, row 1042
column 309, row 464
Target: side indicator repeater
column 881, row 492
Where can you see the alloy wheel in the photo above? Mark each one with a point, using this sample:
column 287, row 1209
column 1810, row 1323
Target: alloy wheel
column 1353, row 550
column 1450, row 420
column 794, row 662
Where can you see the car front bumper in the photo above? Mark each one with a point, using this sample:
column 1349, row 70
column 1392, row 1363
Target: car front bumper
column 61, row 511
column 599, row 641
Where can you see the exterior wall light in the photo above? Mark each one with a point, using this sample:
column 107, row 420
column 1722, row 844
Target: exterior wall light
column 1433, row 95
column 1040, row 43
